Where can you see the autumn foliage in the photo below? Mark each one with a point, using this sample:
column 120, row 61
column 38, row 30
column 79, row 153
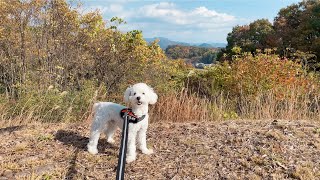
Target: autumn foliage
column 294, row 34
column 55, row 61
column 250, row 85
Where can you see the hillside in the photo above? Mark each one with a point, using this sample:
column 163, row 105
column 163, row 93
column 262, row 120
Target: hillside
column 212, row 150
column 211, row 45
column 165, row 42
column 192, row 54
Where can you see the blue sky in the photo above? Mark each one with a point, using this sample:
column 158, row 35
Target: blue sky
column 192, row 21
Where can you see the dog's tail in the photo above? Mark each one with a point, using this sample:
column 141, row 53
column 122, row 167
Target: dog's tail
column 95, row 106
column 93, row 112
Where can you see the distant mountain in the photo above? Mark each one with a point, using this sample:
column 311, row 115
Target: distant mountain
column 219, row 45
column 210, row 45
column 206, row 45
column 165, row 42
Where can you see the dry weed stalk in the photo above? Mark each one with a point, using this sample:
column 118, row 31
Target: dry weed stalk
column 291, row 106
column 183, row 106
column 180, row 107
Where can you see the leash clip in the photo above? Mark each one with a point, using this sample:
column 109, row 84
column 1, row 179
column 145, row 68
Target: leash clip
column 127, row 113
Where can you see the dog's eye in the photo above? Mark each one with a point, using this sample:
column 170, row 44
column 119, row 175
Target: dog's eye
column 143, row 93
column 134, row 94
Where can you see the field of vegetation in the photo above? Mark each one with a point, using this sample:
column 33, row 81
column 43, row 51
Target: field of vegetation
column 256, row 110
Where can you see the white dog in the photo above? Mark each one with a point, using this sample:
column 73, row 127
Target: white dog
column 107, row 118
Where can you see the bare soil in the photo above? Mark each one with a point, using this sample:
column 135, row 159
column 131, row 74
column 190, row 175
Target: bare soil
column 272, row 149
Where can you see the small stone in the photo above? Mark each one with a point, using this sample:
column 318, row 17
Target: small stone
column 7, row 173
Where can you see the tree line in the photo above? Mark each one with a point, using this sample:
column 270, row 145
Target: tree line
column 295, row 34
column 192, row 54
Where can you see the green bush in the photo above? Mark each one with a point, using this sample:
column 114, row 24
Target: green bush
column 51, row 104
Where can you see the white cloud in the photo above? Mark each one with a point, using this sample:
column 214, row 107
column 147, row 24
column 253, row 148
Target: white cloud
column 201, row 16
column 204, row 12
column 168, row 20
column 109, row 9
column 116, row 7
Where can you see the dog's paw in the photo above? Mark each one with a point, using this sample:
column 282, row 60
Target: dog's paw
column 92, row 150
column 147, row 151
column 130, row 159
column 111, row 140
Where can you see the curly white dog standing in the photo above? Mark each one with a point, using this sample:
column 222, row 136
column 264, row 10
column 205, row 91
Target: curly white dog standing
column 107, row 118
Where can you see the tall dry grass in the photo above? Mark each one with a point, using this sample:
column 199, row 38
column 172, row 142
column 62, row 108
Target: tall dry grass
column 180, row 106
column 185, row 107
column 50, row 105
column 292, row 106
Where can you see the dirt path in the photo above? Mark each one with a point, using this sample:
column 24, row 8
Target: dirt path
column 225, row 150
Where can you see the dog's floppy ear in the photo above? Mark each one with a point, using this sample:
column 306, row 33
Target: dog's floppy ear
column 153, row 97
column 127, row 94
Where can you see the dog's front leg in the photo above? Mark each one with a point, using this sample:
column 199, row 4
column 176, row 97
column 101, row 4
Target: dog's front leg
column 131, row 149
column 142, row 141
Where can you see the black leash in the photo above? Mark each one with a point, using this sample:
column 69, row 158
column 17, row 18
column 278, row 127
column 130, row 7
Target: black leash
column 123, row 149
column 128, row 117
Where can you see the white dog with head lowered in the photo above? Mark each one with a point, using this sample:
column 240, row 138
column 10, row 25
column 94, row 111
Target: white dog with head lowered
column 107, row 118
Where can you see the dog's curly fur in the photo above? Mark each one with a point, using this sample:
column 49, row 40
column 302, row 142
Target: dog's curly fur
column 107, row 119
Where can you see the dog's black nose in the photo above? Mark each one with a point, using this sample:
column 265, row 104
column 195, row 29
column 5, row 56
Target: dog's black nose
column 138, row 98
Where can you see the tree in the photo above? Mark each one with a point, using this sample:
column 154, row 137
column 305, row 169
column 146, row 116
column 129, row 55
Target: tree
column 192, row 54
column 298, row 28
column 209, row 57
column 294, row 34
column 256, row 35
column 49, row 43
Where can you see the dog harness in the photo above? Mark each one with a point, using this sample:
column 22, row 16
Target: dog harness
column 131, row 116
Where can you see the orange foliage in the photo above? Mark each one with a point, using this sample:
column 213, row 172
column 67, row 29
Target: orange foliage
column 269, row 72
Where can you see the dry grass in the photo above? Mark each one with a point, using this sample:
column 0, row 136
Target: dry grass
column 181, row 107
column 270, row 105
column 219, row 150
column 186, row 107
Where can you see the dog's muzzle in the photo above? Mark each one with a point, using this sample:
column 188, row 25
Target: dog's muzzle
column 139, row 102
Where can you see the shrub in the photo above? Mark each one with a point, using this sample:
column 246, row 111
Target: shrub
column 79, row 56
column 261, row 86
column 51, row 104
column 248, row 75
